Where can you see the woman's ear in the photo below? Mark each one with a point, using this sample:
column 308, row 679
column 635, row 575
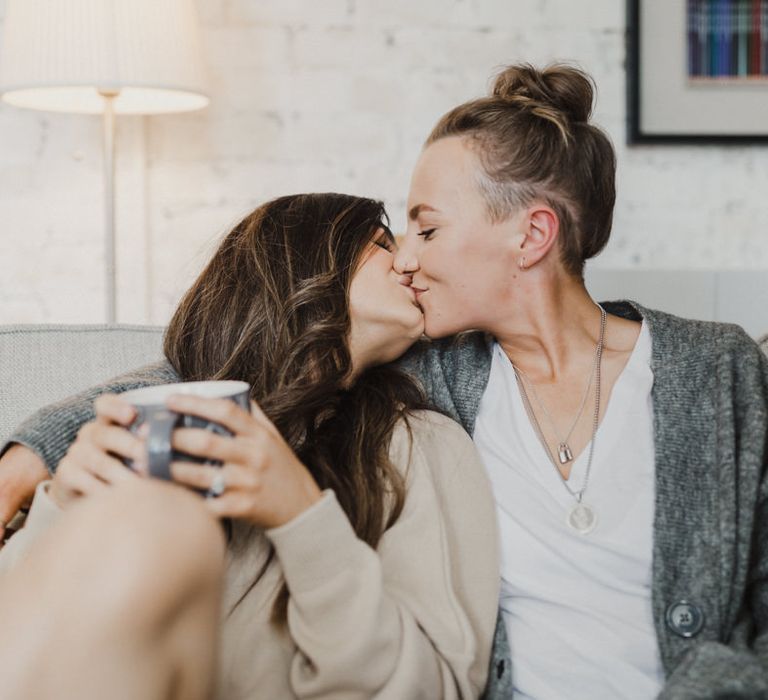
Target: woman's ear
column 541, row 228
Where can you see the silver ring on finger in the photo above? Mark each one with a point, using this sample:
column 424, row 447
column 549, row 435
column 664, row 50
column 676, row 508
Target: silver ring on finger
column 218, row 485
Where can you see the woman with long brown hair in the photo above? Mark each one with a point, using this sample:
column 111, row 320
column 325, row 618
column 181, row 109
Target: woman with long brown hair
column 347, row 573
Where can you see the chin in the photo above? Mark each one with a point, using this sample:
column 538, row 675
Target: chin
column 399, row 347
column 416, row 329
column 437, row 330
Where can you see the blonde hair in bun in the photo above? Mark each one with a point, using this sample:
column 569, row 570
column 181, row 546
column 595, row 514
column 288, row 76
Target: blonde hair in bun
column 557, row 89
column 534, row 140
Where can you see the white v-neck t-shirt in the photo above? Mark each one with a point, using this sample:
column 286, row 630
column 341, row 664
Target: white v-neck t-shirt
column 577, row 608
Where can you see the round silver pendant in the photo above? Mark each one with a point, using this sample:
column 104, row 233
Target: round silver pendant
column 582, row 518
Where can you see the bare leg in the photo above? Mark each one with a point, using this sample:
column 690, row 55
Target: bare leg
column 120, row 600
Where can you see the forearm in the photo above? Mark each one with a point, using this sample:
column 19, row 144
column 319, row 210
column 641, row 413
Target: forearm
column 51, row 430
column 21, row 470
column 737, row 669
column 356, row 629
column 20, row 473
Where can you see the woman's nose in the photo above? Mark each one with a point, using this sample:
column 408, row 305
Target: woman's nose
column 405, row 262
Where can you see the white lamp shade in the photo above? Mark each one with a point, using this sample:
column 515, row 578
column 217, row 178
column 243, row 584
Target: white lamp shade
column 58, row 54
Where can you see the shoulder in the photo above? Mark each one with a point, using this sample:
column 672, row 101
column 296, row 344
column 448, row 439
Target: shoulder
column 429, row 431
column 451, row 371
column 433, row 443
column 445, row 352
column 676, row 339
column 161, row 372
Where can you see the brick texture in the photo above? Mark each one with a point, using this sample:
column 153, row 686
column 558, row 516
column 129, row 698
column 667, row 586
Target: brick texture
column 333, row 95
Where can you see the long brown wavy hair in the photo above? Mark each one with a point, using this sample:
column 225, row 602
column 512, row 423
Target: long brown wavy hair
column 272, row 308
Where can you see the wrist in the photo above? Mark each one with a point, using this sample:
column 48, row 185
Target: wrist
column 306, row 496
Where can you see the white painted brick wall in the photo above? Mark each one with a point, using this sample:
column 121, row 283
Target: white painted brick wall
column 333, row 95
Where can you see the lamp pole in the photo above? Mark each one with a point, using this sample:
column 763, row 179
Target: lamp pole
column 109, row 203
column 79, row 55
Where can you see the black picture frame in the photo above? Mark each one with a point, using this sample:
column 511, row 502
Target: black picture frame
column 637, row 66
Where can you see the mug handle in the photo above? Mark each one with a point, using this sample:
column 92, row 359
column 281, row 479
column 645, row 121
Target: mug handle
column 159, row 450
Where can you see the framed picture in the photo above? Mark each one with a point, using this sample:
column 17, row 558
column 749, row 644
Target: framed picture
column 697, row 71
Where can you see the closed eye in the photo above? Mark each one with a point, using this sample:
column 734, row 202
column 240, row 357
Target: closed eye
column 427, row 233
column 386, row 239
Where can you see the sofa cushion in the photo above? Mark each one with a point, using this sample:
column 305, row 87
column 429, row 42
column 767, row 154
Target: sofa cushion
column 40, row 364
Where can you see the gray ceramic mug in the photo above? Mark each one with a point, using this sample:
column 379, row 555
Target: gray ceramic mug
column 151, row 410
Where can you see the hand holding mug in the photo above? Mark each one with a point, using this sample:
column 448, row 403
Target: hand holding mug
column 260, row 480
column 93, row 461
column 157, row 421
column 104, row 449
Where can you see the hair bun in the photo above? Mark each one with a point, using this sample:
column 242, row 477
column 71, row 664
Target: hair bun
column 559, row 86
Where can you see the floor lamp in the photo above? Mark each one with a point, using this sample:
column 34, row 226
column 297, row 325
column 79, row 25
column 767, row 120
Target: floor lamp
column 104, row 57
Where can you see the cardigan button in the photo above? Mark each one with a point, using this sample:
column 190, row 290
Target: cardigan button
column 685, row 619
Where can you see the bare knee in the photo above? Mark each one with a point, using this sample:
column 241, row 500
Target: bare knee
column 145, row 549
column 131, row 574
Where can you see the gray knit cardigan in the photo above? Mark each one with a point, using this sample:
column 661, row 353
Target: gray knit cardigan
column 710, row 399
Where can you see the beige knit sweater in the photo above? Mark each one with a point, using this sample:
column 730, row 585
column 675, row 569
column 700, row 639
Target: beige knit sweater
column 412, row 619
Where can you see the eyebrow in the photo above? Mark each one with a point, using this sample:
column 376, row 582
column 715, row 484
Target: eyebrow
column 415, row 211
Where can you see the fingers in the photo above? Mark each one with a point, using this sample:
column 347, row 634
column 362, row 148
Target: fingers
column 200, row 476
column 241, row 488
column 111, row 438
column 110, row 408
column 72, row 481
column 196, row 476
column 203, row 443
column 78, row 482
column 99, row 446
column 92, row 458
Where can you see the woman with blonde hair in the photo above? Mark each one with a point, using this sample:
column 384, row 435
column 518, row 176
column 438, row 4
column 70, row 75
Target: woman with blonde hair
column 627, row 448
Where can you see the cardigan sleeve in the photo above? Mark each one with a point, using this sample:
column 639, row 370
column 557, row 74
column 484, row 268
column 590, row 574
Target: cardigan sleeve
column 51, row 430
column 452, row 372
column 422, row 362
column 416, row 616
column 736, row 669
column 737, row 666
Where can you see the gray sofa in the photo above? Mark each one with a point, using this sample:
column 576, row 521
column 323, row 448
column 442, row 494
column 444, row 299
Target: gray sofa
column 41, row 364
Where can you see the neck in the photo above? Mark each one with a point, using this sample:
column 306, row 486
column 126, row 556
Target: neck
column 363, row 354
column 552, row 327
column 359, row 365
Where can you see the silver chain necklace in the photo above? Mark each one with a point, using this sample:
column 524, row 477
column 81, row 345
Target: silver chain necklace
column 564, row 452
column 581, row 517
